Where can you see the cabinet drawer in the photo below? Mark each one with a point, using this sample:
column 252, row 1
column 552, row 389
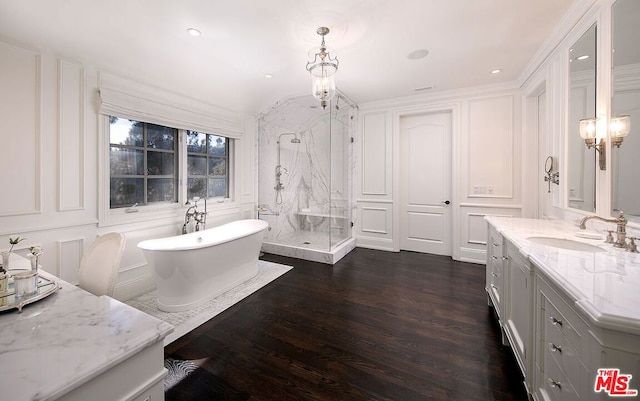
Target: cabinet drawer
column 561, row 319
column 494, row 270
column 564, row 355
column 495, row 240
column 556, row 385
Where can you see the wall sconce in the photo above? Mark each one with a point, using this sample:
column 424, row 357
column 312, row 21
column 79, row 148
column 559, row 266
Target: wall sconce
column 618, row 129
column 588, row 130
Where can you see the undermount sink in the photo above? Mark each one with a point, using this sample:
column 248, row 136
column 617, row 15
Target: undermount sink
column 566, row 244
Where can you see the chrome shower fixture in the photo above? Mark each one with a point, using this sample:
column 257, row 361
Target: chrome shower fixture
column 294, row 140
column 279, row 169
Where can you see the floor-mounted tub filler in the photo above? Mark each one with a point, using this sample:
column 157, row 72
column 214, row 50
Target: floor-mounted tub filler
column 193, row 268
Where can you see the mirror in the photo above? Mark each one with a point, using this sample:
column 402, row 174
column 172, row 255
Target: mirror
column 548, row 165
column 626, row 101
column 551, row 177
column 581, row 161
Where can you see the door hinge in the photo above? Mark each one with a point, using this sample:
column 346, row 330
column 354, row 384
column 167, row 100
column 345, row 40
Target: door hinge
column 352, row 224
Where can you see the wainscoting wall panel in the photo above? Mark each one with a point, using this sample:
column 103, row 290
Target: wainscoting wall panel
column 375, row 228
column 376, row 155
column 70, row 253
column 70, row 136
column 490, row 139
column 374, row 220
column 474, row 228
column 20, row 124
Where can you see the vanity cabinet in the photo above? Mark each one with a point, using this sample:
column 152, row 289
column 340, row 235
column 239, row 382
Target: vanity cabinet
column 494, row 277
column 518, row 308
column 571, row 348
column 563, row 341
column 565, row 313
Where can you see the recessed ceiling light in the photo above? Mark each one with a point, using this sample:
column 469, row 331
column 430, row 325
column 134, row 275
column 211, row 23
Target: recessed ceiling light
column 583, row 57
column 496, row 71
column 193, row 32
column 268, row 76
column 418, row 54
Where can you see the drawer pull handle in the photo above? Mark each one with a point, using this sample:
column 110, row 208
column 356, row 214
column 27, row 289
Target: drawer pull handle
column 555, row 384
column 494, row 257
column 494, row 274
column 555, row 348
column 494, row 244
column 504, row 258
column 555, row 321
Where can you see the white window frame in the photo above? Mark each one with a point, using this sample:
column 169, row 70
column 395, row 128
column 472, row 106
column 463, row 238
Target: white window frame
column 130, row 99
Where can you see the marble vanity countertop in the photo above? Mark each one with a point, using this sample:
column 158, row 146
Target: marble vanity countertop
column 604, row 285
column 66, row 339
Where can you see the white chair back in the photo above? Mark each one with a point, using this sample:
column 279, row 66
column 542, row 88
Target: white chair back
column 99, row 265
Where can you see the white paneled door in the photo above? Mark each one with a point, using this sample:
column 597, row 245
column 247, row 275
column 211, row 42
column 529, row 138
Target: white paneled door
column 425, row 183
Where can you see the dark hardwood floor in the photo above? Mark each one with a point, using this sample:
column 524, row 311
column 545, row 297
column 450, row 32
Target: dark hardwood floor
column 376, row 326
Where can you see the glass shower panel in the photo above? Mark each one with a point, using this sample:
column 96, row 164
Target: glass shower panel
column 342, row 130
column 313, row 186
column 304, row 173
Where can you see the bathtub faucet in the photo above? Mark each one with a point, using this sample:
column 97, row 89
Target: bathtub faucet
column 199, row 217
column 187, row 218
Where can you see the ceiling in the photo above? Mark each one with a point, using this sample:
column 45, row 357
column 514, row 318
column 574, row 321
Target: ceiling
column 242, row 40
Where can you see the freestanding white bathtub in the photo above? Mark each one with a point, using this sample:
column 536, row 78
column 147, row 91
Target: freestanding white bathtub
column 193, row 268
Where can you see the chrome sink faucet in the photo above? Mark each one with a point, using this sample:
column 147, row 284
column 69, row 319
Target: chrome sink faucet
column 621, row 228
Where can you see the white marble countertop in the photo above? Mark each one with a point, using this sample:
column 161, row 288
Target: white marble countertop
column 604, row 285
column 66, row 339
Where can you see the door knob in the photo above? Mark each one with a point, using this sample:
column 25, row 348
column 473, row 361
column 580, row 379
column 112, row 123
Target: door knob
column 446, row 202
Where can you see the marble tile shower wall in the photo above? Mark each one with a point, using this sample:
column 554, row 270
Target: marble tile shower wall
column 314, row 173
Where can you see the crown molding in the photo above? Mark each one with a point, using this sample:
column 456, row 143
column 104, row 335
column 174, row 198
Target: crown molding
column 440, row 96
column 578, row 10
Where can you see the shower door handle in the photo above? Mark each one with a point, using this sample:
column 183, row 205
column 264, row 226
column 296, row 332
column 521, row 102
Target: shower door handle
column 446, row 202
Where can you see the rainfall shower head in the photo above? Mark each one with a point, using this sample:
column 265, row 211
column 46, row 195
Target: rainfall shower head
column 294, row 140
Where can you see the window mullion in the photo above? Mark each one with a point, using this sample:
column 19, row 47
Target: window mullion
column 145, row 167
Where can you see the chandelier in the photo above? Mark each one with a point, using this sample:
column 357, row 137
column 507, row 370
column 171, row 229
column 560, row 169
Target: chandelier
column 323, row 68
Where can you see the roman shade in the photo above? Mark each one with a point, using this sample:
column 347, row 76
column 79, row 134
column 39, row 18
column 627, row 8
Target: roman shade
column 122, row 98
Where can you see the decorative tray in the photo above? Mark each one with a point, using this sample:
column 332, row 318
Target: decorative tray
column 8, row 300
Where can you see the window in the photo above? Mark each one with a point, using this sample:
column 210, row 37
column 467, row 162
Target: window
column 143, row 163
column 208, row 165
column 144, row 167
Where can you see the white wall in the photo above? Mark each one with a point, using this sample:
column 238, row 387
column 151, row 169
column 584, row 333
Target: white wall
column 501, row 137
column 51, row 162
column 485, row 162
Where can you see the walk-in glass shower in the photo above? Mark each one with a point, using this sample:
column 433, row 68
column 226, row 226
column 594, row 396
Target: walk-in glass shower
column 304, row 172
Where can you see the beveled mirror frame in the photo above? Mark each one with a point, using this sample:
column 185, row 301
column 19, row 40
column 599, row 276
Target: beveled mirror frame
column 582, row 73
column 625, row 100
